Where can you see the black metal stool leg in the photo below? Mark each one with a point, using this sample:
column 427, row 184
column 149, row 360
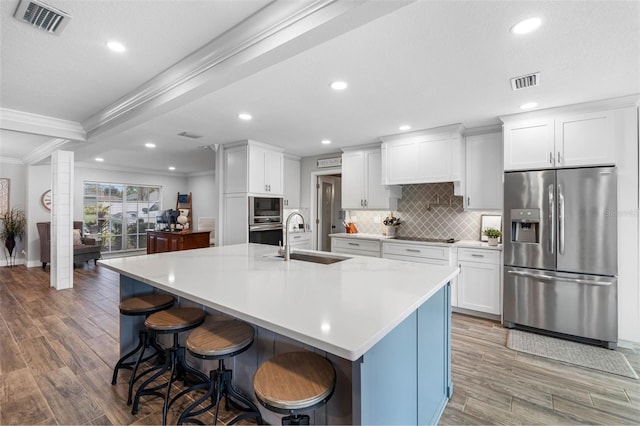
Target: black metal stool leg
column 123, row 363
column 142, row 390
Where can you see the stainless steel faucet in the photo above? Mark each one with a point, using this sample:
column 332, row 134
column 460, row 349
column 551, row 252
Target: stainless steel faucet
column 287, row 247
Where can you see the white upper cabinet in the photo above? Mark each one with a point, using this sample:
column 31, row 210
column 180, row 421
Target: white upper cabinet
column 529, row 145
column 484, row 172
column 568, row 140
column 585, row 139
column 291, row 183
column 252, row 167
column 362, row 182
column 427, row 156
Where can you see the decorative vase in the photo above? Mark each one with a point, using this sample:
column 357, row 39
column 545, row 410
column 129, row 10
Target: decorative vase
column 389, row 231
column 10, row 244
column 494, row 241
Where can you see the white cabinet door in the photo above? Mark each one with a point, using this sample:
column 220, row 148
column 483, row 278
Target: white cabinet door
column 484, row 172
column 235, row 170
column 273, row 174
column 353, row 183
column 401, row 163
column 291, row 184
column 434, row 160
column 585, row 139
column 235, row 227
column 257, row 183
column 479, row 287
column 377, row 195
column 529, row 145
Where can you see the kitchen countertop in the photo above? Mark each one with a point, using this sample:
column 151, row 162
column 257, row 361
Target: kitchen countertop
column 344, row 308
column 460, row 243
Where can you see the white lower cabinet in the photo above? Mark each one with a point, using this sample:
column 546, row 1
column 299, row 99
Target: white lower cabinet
column 419, row 253
column 299, row 240
column 357, row 246
column 478, row 285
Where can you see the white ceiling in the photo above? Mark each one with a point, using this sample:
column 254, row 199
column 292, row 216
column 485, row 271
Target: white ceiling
column 427, row 64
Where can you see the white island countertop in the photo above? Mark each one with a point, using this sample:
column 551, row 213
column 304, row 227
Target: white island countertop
column 344, row 308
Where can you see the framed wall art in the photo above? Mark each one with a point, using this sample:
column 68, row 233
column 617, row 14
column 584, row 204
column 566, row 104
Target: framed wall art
column 4, row 195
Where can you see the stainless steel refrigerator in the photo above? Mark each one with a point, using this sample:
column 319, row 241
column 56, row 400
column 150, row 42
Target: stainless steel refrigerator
column 560, row 253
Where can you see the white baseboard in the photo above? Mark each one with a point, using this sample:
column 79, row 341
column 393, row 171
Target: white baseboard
column 18, row 261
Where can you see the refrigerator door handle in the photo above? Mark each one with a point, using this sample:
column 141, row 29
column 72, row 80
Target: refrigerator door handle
column 560, row 220
column 555, row 278
column 552, row 220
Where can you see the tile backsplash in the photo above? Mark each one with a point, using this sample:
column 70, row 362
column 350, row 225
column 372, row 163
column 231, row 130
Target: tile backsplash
column 444, row 221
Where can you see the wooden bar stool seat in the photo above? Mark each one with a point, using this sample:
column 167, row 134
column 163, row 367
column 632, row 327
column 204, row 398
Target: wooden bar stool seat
column 294, row 382
column 170, row 321
column 144, row 304
column 219, row 339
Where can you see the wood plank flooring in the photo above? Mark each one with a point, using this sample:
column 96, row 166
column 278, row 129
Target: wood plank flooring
column 58, row 348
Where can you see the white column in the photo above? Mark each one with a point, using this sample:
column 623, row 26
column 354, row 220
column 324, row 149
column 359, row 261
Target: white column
column 62, row 220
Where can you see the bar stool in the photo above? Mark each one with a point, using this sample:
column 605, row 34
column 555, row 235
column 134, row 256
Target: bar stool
column 294, row 382
column 171, row 321
column 144, row 304
column 219, row 339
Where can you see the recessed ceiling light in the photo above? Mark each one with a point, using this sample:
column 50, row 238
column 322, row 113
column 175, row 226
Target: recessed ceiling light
column 326, row 142
column 526, row 25
column 172, row 168
column 339, row 85
column 116, row 46
column 150, row 145
column 529, row 105
column 244, row 116
column 404, row 127
column 99, row 159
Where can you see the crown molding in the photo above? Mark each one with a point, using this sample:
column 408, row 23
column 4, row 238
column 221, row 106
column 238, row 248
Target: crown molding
column 45, row 150
column 124, row 169
column 583, row 107
column 25, row 122
column 11, row 160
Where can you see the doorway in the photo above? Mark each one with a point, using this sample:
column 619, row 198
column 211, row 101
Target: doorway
column 328, row 209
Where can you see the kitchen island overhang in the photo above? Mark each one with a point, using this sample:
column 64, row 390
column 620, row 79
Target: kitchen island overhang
column 351, row 309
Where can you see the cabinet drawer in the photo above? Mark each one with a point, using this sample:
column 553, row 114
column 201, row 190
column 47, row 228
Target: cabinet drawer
column 338, row 244
column 416, row 250
column 479, row 255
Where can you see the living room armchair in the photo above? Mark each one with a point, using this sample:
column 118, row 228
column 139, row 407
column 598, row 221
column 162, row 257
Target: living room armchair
column 84, row 248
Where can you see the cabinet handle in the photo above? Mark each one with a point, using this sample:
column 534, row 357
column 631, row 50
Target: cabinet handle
column 297, row 237
column 551, row 158
column 353, row 244
column 477, row 255
column 365, row 203
column 468, row 201
column 361, row 203
column 413, row 250
column 559, row 158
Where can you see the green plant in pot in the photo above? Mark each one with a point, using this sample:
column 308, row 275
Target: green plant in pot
column 13, row 224
column 493, row 235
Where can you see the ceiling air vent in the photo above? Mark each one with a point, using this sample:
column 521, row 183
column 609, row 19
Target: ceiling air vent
column 42, row 16
column 524, row 81
column 189, row 135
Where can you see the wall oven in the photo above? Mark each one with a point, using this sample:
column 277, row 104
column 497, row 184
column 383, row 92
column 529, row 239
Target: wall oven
column 265, row 220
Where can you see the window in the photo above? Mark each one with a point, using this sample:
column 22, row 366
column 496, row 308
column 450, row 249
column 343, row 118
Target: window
column 119, row 214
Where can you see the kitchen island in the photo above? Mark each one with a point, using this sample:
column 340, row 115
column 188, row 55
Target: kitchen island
column 384, row 324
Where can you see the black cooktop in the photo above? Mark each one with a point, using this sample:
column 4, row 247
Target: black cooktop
column 428, row 240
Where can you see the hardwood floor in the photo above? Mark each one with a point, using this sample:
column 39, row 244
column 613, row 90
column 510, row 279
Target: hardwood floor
column 58, row 348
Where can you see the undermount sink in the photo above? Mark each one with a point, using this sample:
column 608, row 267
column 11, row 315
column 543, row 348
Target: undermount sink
column 315, row 258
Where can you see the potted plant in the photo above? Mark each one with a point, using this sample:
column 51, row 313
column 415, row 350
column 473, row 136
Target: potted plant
column 493, row 235
column 13, row 223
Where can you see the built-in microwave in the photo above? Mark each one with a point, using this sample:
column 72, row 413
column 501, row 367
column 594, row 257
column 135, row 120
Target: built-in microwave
column 265, row 210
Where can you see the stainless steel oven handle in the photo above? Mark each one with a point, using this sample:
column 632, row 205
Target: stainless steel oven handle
column 552, row 220
column 266, row 227
column 560, row 220
column 553, row 278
